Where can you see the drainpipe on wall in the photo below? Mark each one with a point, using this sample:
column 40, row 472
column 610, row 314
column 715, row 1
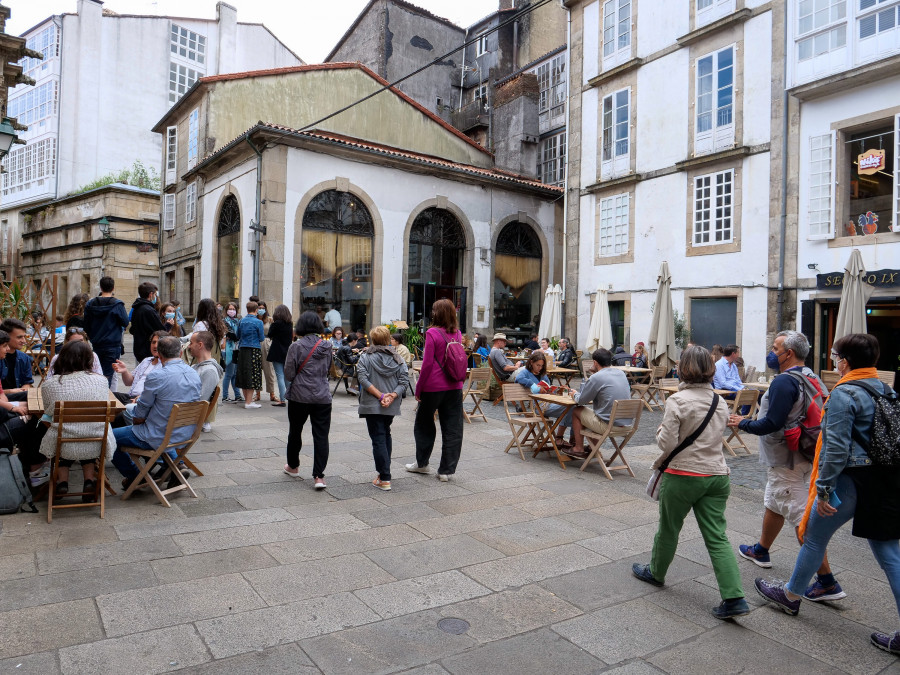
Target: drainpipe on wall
column 254, row 224
column 462, row 72
column 565, row 256
column 779, row 311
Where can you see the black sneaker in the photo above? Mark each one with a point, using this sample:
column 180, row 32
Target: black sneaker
column 643, row 573
column 62, row 489
column 126, row 482
column 173, row 480
column 731, row 608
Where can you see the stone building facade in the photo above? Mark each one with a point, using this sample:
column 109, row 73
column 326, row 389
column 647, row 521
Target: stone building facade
column 65, row 237
column 379, row 220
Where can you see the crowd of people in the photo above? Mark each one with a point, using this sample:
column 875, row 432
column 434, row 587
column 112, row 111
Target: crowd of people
column 816, row 492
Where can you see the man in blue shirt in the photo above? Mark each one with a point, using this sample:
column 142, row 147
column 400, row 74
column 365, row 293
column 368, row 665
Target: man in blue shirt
column 175, row 382
column 15, row 370
column 727, row 376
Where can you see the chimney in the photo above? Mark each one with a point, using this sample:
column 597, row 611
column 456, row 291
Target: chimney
column 226, row 22
column 90, row 10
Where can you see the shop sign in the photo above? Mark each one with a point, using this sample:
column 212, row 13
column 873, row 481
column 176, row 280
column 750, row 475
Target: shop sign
column 878, row 279
column 871, row 161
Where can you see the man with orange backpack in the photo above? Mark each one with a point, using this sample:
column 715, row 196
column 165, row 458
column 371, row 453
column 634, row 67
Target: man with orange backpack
column 789, row 414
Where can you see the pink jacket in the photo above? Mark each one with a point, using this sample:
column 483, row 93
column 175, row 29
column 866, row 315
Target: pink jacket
column 432, row 376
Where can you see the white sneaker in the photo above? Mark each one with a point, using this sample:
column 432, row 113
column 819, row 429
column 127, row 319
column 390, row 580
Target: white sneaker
column 415, row 468
column 252, row 405
column 319, row 484
column 207, row 427
column 443, row 477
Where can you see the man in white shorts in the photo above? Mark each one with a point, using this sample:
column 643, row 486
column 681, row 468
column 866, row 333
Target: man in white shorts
column 787, row 472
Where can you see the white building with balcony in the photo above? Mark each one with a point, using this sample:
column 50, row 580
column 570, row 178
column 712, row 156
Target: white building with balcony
column 103, row 82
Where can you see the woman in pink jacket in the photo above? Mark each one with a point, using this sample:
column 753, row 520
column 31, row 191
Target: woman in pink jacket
column 436, row 390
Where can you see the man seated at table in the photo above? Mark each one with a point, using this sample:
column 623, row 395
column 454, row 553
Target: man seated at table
column 532, row 343
column 210, row 372
column 175, row 382
column 621, row 357
column 601, row 389
column 503, row 367
column 15, row 369
column 727, row 375
column 566, row 357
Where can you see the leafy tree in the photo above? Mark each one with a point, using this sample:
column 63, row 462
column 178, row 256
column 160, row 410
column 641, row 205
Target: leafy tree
column 138, row 175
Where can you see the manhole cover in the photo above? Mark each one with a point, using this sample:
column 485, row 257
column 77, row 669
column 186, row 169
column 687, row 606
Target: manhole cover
column 453, row 626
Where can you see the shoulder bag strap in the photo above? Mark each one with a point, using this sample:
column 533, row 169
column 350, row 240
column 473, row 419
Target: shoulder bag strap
column 309, row 356
column 694, row 436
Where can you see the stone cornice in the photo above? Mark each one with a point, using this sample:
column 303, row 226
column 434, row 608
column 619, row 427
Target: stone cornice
column 738, row 17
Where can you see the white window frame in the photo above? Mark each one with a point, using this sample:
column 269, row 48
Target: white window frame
column 171, row 154
column 821, row 182
column 614, row 214
column 616, row 35
column 551, row 76
column 193, row 138
column 181, row 78
column 481, row 45
column 188, row 45
column 169, row 212
column 34, row 104
column 720, row 134
column 708, row 11
column 615, row 148
column 883, row 19
column 552, row 159
column 480, row 92
column 707, row 188
column 190, row 207
column 29, row 166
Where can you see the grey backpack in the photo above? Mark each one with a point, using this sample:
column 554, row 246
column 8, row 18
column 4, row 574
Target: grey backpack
column 14, row 487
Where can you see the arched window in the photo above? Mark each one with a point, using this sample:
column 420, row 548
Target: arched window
column 336, row 258
column 437, row 244
column 228, row 250
column 517, row 280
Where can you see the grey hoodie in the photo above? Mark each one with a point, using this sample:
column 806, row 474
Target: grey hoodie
column 210, row 373
column 381, row 369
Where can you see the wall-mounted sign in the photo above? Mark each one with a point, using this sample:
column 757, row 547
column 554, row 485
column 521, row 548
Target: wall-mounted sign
column 870, row 161
column 879, row 279
column 144, row 248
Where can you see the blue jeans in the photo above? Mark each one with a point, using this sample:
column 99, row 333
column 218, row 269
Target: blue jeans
column 279, row 377
column 107, row 356
column 230, row 373
column 122, row 460
column 819, row 531
column 379, row 427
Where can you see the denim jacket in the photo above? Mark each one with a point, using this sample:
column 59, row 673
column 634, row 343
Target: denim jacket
column 846, row 431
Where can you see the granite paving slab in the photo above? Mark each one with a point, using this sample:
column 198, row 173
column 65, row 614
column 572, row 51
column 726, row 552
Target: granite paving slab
column 42, row 663
column 201, row 523
column 329, row 545
column 286, row 659
column 432, row 555
column 215, row 563
column 532, row 535
column 37, row 629
column 106, row 554
column 528, row 568
column 425, row 592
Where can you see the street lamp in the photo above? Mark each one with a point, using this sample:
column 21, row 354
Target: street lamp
column 7, row 136
column 104, row 227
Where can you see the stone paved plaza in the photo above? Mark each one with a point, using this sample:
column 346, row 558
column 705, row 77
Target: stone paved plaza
column 263, row 575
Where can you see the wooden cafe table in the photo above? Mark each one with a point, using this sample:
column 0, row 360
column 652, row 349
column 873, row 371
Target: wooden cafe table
column 36, row 403
column 550, row 424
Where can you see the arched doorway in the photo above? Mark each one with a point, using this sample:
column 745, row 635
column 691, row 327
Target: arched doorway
column 437, row 245
column 336, row 258
column 228, row 250
column 517, row 281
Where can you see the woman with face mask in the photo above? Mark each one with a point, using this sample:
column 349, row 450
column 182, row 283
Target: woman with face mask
column 232, row 319
column 169, row 317
column 847, row 484
column 262, row 313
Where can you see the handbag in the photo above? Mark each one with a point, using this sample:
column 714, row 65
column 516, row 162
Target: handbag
column 656, row 477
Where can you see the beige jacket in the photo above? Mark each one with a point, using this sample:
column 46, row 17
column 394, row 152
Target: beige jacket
column 684, row 413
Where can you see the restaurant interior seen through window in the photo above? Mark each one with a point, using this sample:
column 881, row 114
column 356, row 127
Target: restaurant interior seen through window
column 336, row 258
column 870, row 159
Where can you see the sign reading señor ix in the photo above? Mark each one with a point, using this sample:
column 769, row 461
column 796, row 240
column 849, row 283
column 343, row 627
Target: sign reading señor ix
column 879, row 279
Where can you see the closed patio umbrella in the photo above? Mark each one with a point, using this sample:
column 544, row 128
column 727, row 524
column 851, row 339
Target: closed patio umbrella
column 662, row 329
column 600, row 332
column 855, row 294
column 551, row 314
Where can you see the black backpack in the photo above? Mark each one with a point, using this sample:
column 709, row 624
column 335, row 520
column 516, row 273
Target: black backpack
column 14, row 486
column 884, row 444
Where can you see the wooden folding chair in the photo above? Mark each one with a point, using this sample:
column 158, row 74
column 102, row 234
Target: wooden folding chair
column 665, row 382
column 829, row 378
column 744, row 397
column 183, row 415
column 749, row 374
column 526, row 426
column 347, row 371
column 213, row 402
column 82, row 412
column 587, row 365
column 499, row 380
column 886, row 376
column 621, row 410
column 476, row 388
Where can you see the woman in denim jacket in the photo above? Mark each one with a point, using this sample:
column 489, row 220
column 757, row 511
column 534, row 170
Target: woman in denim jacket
column 848, row 485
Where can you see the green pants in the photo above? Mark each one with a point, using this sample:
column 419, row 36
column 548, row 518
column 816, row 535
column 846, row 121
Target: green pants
column 707, row 496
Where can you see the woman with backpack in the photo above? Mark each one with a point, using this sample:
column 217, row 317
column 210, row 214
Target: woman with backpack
column 383, row 377
column 851, row 479
column 307, row 366
column 439, row 388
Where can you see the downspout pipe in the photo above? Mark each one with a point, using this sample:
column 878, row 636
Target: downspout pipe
column 779, row 311
column 254, row 224
column 462, row 72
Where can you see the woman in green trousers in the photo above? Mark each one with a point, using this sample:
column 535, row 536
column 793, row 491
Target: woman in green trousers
column 695, row 478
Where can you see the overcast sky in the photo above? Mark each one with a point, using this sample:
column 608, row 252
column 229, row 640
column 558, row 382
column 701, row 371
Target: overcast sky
column 309, row 27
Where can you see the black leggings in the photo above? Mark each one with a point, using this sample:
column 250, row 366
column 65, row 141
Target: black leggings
column 69, row 462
